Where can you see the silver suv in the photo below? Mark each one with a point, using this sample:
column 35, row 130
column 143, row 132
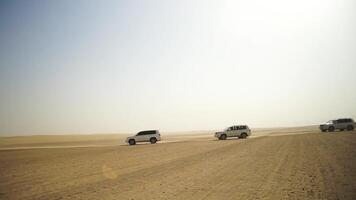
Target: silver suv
column 144, row 136
column 241, row 131
column 338, row 124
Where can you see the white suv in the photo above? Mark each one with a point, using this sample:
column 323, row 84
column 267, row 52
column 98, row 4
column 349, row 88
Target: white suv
column 338, row 124
column 144, row 136
column 241, row 131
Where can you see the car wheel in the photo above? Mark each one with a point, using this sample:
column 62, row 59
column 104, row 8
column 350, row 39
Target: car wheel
column 323, row 130
column 243, row 135
column 132, row 142
column 331, row 129
column 222, row 137
column 350, row 128
column 341, row 129
column 153, row 140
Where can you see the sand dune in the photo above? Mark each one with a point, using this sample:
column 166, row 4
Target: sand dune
column 304, row 164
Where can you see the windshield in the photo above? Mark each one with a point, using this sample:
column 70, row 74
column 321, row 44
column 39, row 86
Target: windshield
column 227, row 129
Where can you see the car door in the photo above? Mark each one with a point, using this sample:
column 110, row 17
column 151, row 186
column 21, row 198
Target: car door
column 345, row 123
column 230, row 132
column 236, row 131
column 147, row 135
column 242, row 129
column 140, row 137
column 340, row 124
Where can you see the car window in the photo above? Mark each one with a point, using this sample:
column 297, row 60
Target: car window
column 149, row 132
column 343, row 120
column 146, row 133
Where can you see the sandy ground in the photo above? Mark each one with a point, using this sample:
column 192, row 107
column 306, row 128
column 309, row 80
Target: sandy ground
column 274, row 164
column 101, row 140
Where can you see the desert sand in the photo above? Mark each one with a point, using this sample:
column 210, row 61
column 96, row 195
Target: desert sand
column 283, row 163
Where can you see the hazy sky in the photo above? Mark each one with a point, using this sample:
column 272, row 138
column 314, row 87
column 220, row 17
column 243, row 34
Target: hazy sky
column 119, row 66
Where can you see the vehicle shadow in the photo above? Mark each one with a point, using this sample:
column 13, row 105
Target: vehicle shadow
column 228, row 139
column 141, row 144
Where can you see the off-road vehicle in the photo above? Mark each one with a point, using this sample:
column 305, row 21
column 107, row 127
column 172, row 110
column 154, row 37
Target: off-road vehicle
column 338, row 124
column 240, row 131
column 151, row 136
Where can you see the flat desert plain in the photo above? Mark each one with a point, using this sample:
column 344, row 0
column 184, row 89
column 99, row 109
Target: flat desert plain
column 283, row 163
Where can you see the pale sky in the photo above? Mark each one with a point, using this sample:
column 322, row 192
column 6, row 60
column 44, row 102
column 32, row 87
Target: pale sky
column 123, row 66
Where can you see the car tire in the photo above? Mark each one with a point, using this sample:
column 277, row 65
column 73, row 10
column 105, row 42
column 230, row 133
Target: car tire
column 350, row 128
column 153, row 140
column 132, row 142
column 323, row 130
column 243, row 135
column 222, row 137
column 331, row 129
column 341, row 129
